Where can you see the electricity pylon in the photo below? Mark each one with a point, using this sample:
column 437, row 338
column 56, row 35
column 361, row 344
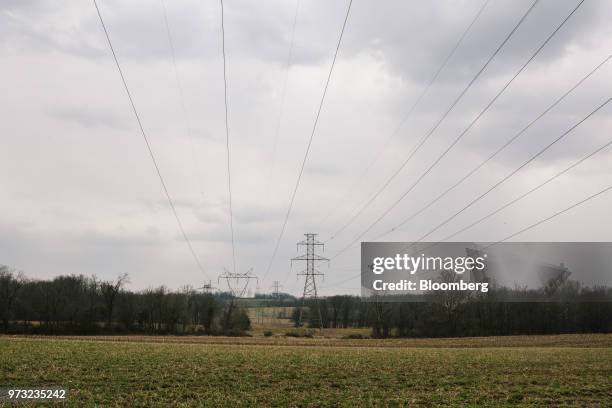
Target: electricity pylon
column 276, row 296
column 276, row 286
column 310, row 283
column 207, row 288
column 233, row 280
column 236, row 289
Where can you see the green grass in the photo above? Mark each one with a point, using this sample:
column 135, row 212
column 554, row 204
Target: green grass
column 130, row 373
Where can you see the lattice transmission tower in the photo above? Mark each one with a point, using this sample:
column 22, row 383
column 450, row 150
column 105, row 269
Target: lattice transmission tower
column 276, row 286
column 310, row 283
column 237, row 283
column 276, row 300
column 207, row 288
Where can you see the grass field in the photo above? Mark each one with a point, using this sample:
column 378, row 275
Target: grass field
column 201, row 371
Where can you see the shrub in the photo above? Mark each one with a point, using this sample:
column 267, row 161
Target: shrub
column 354, row 336
column 300, row 333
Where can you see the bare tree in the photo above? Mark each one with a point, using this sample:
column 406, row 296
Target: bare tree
column 450, row 300
column 10, row 284
column 383, row 312
column 110, row 290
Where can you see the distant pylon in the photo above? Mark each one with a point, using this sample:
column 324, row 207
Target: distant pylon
column 207, row 288
column 276, row 286
column 276, row 299
column 237, row 283
column 310, row 283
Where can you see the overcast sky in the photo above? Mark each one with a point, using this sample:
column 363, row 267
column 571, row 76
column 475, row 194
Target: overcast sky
column 81, row 196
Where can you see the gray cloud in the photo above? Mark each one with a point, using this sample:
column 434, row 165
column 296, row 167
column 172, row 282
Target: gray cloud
column 88, row 118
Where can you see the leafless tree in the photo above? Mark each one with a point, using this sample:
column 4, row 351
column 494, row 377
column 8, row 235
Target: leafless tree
column 110, row 290
column 10, row 284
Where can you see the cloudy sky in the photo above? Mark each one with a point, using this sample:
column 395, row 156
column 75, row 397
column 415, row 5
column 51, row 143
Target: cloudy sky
column 80, row 194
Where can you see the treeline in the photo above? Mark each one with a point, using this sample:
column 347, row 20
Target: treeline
column 583, row 310
column 75, row 304
column 339, row 312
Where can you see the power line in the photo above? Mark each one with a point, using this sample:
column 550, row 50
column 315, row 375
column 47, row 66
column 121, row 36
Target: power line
column 181, row 95
column 283, row 95
column 554, row 215
column 433, row 129
column 342, row 281
column 510, row 203
column 314, row 127
column 520, row 197
column 389, row 209
column 227, row 143
column 542, row 221
column 146, row 139
column 433, row 79
column 495, row 153
column 512, row 173
column 530, row 191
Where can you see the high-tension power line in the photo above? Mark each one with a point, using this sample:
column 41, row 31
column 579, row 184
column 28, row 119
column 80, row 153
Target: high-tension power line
column 511, row 202
column 519, row 197
column 571, row 207
column 417, row 181
column 146, row 140
column 465, row 131
column 283, row 95
column 425, row 90
column 434, row 128
column 181, row 95
column 496, row 152
column 513, row 172
column 521, row 231
column 530, row 191
column 314, row 128
column 227, row 141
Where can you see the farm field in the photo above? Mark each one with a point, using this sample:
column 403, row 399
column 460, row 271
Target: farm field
column 569, row 370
